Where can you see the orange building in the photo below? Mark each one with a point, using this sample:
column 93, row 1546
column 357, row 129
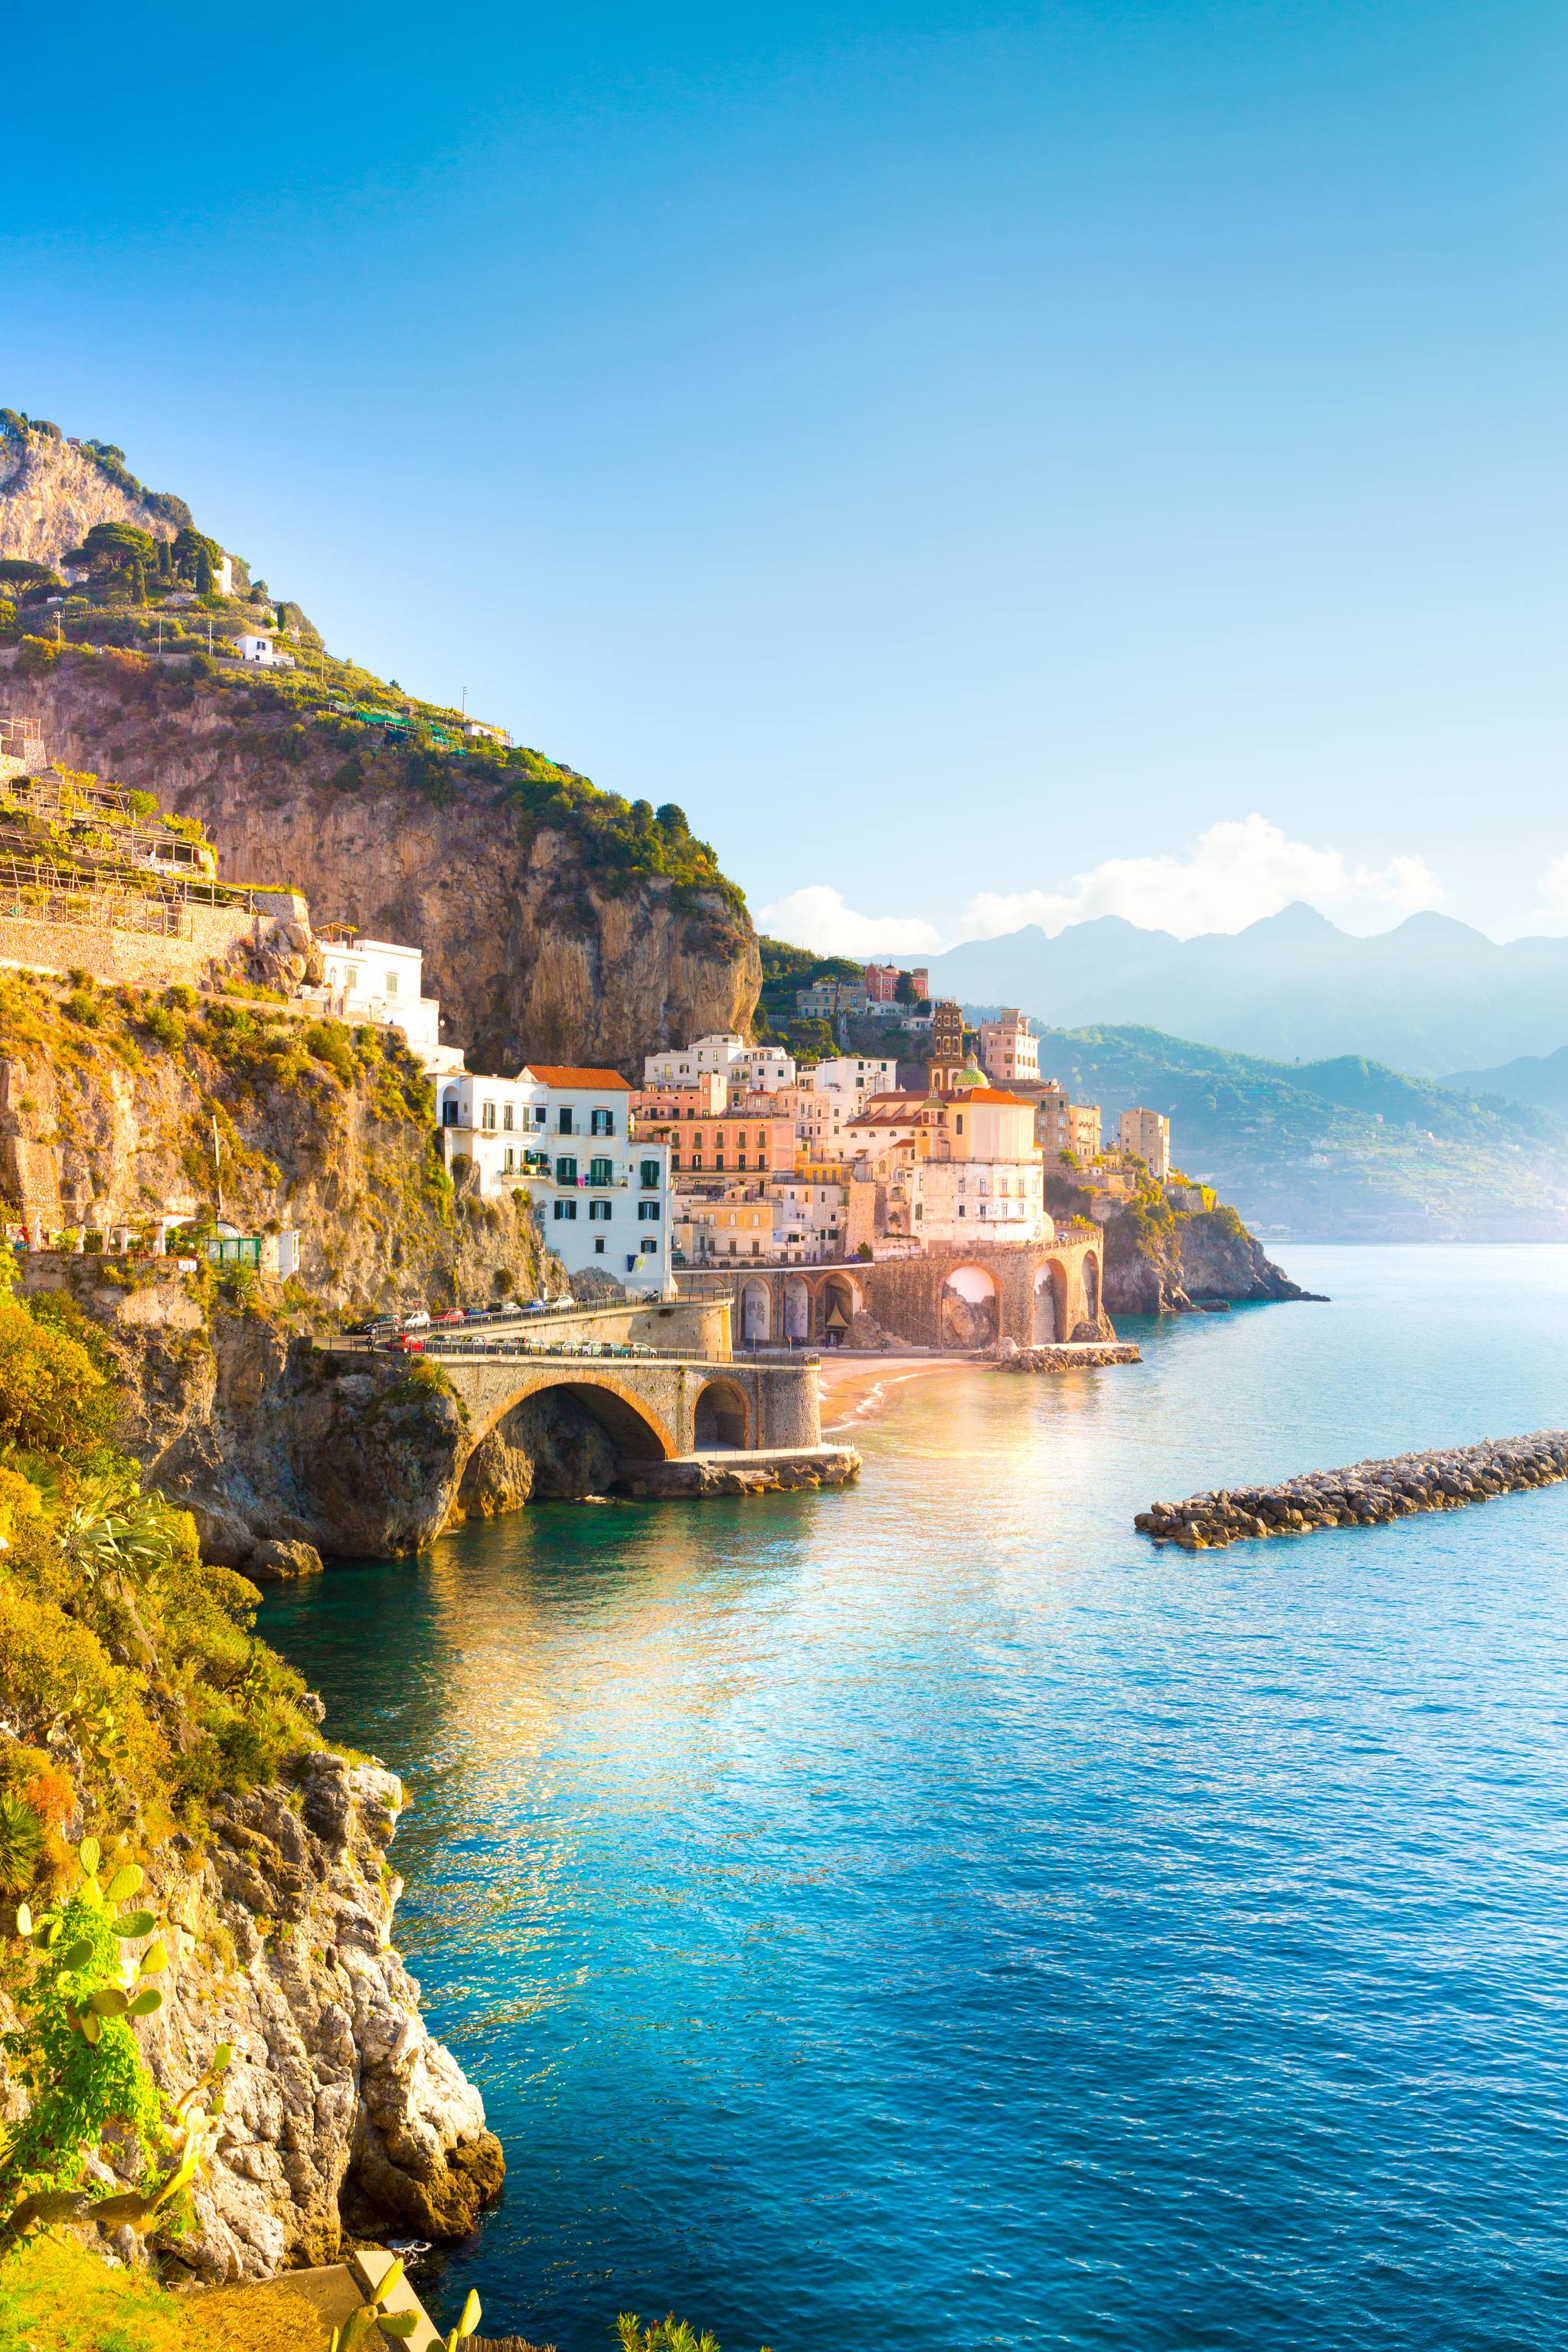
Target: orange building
column 748, row 1143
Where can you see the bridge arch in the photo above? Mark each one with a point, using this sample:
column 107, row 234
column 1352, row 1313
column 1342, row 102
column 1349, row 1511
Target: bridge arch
column 632, row 1426
column 1050, row 1303
column 796, row 1307
column 756, row 1312
column 970, row 1308
column 721, row 1418
column 839, row 1301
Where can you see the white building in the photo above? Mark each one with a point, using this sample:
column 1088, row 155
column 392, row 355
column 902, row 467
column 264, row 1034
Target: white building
column 563, row 1135
column 376, row 980
column 753, row 1068
column 855, row 1075
column 488, row 734
column 810, row 1214
column 259, row 647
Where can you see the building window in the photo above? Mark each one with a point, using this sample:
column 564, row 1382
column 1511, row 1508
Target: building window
column 601, row 1172
column 717, row 1160
column 697, row 1163
column 599, row 1245
column 449, row 1111
column 602, row 1122
column 506, row 1117
column 650, row 1175
column 539, row 1114
column 741, row 1161
column 600, row 1211
column 650, row 1211
column 392, row 983
column 508, row 1158
column 488, row 1116
column 565, row 1211
column 564, row 1119
column 649, row 1242
column 565, row 1170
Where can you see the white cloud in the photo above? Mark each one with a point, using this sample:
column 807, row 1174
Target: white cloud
column 817, row 918
column 1233, row 873
column 1552, row 911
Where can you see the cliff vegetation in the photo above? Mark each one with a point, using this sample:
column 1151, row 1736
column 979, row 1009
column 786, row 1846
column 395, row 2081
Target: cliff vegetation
column 558, row 920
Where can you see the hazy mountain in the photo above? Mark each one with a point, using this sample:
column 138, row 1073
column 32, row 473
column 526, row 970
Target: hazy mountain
column 1539, row 1080
column 1432, row 995
column 1334, row 1150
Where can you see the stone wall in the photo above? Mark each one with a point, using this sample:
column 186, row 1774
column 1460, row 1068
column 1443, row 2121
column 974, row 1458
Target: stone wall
column 212, row 936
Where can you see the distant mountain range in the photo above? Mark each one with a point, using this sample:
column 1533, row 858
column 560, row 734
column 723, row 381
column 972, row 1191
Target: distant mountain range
column 1340, row 1149
column 1432, row 995
column 1536, row 1079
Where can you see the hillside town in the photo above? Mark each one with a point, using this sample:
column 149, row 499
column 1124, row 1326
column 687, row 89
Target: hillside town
column 728, row 1156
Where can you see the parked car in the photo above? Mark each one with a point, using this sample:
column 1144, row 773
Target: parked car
column 404, row 1344
column 416, row 1319
column 453, row 1315
column 374, row 1327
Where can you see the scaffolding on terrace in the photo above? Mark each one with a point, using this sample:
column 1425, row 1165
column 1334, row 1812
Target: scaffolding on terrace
column 37, row 890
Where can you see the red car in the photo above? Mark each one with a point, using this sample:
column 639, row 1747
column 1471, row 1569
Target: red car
column 454, row 1315
column 405, row 1344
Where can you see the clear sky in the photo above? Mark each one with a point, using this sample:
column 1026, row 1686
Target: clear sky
column 986, row 464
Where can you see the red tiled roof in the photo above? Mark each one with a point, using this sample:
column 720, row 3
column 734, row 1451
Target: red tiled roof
column 562, row 1074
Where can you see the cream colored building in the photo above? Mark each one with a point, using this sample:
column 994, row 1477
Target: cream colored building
column 1009, row 1049
column 1146, row 1134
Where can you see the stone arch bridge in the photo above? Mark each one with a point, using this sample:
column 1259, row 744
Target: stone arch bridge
column 645, row 1398
column 948, row 1296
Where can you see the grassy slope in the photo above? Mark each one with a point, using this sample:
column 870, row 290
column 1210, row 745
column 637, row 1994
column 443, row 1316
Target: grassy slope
column 1337, row 1147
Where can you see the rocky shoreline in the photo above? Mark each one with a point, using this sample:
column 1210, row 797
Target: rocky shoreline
column 1366, row 1494
column 1067, row 1354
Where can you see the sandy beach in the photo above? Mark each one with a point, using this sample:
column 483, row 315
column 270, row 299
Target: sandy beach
column 855, row 1387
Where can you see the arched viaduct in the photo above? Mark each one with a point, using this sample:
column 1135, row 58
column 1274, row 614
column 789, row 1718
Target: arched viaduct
column 947, row 1296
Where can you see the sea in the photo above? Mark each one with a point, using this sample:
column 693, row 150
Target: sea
column 926, row 1915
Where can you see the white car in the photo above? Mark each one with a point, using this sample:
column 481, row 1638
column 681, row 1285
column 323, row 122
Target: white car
column 418, row 1320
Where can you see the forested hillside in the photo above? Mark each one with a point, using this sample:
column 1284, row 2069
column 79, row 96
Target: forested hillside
column 1339, row 1150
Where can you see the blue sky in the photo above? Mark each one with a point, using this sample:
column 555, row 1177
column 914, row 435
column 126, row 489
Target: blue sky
column 985, row 463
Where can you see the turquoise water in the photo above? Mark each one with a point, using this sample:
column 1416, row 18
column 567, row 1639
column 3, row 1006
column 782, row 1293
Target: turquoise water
column 928, row 1915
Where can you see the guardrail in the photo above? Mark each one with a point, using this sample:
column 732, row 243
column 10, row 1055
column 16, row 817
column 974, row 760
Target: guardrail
column 518, row 1350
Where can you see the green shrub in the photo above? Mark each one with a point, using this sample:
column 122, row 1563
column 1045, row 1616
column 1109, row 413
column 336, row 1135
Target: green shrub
column 81, row 1008
column 21, row 1844
column 328, row 1042
column 166, row 1026
column 37, row 657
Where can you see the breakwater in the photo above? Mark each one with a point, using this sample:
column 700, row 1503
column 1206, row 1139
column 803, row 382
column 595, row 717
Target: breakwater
column 1067, row 1354
column 1364, row 1494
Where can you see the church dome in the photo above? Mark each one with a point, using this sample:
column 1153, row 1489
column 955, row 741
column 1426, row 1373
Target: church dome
column 971, row 1076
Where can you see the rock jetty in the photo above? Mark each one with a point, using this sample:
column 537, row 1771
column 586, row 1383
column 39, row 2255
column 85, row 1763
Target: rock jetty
column 1366, row 1495
column 1066, row 1355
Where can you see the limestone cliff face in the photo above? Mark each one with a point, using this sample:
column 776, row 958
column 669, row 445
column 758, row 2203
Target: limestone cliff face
column 1168, row 1262
column 532, row 953
column 53, row 492
column 342, row 2112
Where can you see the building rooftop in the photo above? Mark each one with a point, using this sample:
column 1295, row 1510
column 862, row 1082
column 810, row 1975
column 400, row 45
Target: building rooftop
column 564, row 1073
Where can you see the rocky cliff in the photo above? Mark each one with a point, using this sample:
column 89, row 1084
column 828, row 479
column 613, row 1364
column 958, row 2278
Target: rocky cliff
column 52, row 490
column 545, row 936
column 343, row 2113
column 1160, row 1260
column 112, row 1099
